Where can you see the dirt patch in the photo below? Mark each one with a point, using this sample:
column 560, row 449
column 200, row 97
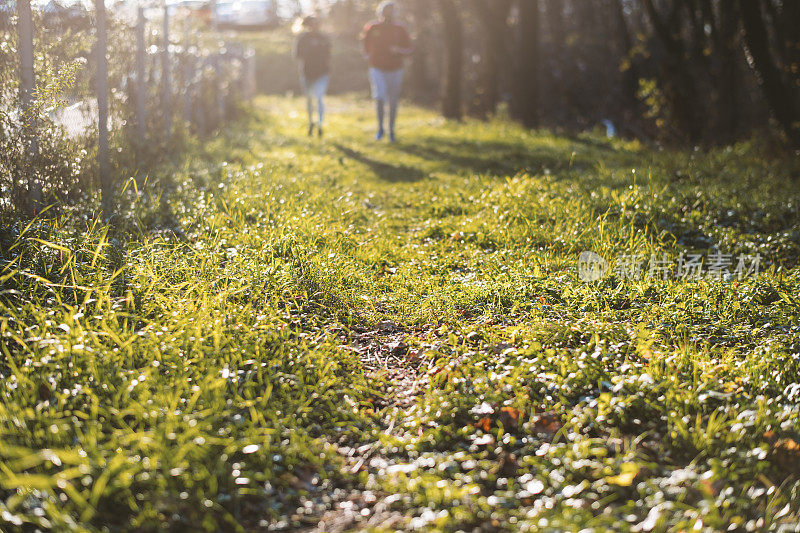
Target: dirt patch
column 399, row 373
column 399, row 370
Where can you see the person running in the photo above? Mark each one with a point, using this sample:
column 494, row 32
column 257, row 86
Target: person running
column 313, row 52
column 386, row 43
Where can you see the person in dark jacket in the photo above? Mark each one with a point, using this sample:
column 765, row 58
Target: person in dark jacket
column 386, row 44
column 313, row 53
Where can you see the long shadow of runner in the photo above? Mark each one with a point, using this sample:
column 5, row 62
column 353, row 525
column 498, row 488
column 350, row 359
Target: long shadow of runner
column 508, row 158
column 385, row 171
column 495, row 164
column 493, row 158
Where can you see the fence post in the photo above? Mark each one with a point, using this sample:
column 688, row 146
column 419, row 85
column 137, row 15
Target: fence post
column 166, row 77
column 200, row 90
column 103, row 162
column 250, row 68
column 221, row 52
column 141, row 84
column 216, row 65
column 188, row 74
column 27, row 85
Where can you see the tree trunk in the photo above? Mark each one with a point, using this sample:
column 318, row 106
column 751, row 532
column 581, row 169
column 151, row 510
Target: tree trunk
column 554, row 11
column 727, row 44
column 526, row 86
column 418, row 69
column 553, row 49
column 630, row 76
column 493, row 15
column 779, row 96
column 454, row 50
column 677, row 80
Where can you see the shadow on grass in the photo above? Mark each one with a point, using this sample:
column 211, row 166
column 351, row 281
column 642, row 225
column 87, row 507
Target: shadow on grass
column 385, row 171
column 504, row 159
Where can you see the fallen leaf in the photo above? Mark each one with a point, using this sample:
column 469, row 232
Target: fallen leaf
column 546, row 423
column 484, row 423
column 510, row 417
column 626, row 476
column 786, row 455
column 396, row 348
column 508, row 465
column 44, row 391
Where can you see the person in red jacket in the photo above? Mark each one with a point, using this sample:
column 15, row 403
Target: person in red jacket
column 386, row 44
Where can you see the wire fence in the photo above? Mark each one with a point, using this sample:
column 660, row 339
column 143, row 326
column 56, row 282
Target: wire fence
column 87, row 95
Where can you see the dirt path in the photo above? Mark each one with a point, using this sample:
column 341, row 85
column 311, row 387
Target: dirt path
column 402, row 375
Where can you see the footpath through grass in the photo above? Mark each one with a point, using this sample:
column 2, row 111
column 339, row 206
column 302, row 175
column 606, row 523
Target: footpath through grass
column 396, row 337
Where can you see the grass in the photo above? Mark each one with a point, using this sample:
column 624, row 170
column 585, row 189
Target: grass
column 286, row 330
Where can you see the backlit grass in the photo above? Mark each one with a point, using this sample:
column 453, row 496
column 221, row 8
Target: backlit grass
column 196, row 364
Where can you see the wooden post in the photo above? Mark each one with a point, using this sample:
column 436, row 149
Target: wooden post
column 250, row 69
column 27, row 86
column 166, row 77
column 221, row 53
column 141, row 83
column 220, row 101
column 103, row 161
column 200, row 91
column 188, row 74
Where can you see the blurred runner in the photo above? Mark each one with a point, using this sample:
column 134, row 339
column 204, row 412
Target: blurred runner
column 386, row 43
column 313, row 52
